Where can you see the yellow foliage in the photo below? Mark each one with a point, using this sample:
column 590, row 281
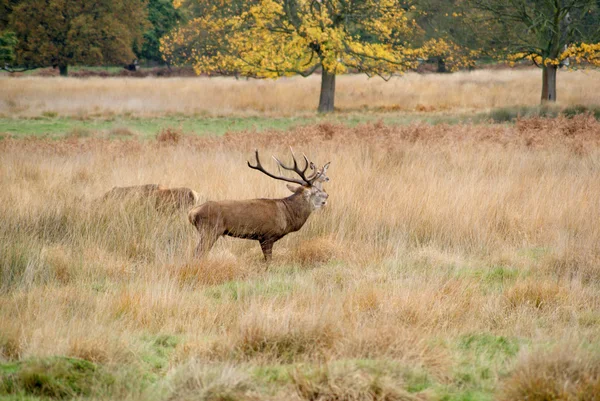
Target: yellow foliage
column 575, row 53
column 454, row 55
column 270, row 38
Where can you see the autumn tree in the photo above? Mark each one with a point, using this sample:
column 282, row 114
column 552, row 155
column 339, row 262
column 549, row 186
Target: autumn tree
column 275, row 38
column 550, row 33
column 61, row 33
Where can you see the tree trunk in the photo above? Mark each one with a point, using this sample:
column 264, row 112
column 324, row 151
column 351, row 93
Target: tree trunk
column 64, row 70
column 326, row 100
column 549, row 83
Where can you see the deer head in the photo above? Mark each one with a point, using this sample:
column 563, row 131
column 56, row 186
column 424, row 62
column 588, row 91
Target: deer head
column 320, row 174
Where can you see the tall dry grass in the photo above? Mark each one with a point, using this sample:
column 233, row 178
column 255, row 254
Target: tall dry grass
column 431, row 235
column 477, row 90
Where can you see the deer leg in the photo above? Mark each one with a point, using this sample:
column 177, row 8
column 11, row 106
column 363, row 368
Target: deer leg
column 267, row 248
column 206, row 242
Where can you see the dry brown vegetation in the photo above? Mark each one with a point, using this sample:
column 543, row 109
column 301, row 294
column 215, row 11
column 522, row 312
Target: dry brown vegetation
column 447, row 262
column 464, row 91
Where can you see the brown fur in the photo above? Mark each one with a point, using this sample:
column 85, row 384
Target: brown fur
column 133, row 192
column 179, row 198
column 264, row 220
column 163, row 198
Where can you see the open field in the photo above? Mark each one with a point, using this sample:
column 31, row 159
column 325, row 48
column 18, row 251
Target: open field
column 134, row 107
column 214, row 97
column 453, row 262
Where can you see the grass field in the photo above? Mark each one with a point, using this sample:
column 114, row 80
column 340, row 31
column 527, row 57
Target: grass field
column 142, row 107
column 453, row 262
column 216, row 97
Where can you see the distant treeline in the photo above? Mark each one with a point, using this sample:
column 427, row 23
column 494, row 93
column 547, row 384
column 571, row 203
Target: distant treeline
column 274, row 38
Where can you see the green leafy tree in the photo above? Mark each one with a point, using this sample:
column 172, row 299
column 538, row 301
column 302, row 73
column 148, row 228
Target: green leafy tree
column 550, row 33
column 61, row 33
column 274, row 38
column 8, row 41
column 163, row 18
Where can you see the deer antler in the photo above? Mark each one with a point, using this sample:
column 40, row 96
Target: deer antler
column 303, row 181
column 296, row 169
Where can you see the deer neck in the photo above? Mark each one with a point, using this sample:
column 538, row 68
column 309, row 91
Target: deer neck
column 298, row 210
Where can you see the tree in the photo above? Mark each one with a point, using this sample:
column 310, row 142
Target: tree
column 550, row 33
column 163, row 18
column 60, row 33
column 274, row 38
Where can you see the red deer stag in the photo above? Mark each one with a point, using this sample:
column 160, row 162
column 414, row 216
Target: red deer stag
column 263, row 220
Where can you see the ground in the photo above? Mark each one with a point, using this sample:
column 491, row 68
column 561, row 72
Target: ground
column 457, row 258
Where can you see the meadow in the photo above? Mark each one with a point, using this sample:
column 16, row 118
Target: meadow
column 453, row 261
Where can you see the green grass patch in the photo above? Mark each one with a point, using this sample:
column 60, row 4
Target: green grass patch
column 272, row 374
column 510, row 114
column 52, row 125
column 55, row 377
column 489, row 345
column 482, row 359
column 57, row 127
column 158, row 351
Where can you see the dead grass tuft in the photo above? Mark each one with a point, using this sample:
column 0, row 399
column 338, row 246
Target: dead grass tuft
column 283, row 336
column 558, row 374
column 60, row 263
column 348, row 384
column 209, row 271
column 534, row 293
column 573, row 262
column 10, row 342
column 93, row 350
column 199, row 381
column 316, row 251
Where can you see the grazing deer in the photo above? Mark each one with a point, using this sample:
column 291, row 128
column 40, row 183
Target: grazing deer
column 175, row 198
column 163, row 198
column 263, row 220
column 133, row 192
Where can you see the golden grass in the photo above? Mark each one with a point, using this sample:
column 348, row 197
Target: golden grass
column 432, row 233
column 478, row 90
column 561, row 373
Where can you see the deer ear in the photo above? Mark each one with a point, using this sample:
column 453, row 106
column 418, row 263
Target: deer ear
column 292, row 188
